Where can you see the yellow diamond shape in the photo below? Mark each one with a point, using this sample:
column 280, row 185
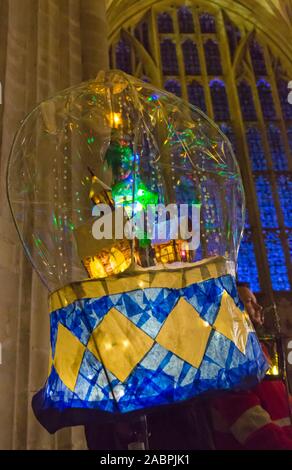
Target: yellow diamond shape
column 232, row 322
column 185, row 333
column 68, row 356
column 119, row 344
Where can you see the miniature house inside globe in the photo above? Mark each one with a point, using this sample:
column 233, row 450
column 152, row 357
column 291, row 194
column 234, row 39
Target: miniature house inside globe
column 121, row 143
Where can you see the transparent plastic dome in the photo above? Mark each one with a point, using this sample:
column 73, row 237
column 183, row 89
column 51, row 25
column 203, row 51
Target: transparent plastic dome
column 121, row 142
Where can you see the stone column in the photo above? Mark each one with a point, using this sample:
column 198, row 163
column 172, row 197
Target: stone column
column 45, row 46
column 94, row 37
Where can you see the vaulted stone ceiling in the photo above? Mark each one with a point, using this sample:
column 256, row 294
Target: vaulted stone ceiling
column 282, row 7
column 272, row 17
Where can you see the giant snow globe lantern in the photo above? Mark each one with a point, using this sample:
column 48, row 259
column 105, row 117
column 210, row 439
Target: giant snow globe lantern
column 129, row 204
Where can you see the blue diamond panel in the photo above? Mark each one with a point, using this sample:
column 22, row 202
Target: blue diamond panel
column 80, row 317
column 205, row 297
column 161, row 377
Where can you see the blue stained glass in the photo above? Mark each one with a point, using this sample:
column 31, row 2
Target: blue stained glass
column 213, row 242
column 173, row 87
column 283, row 95
column 285, row 194
column 265, row 201
column 233, row 35
column 207, row 23
column 219, row 100
column 191, row 58
column 266, row 99
column 247, row 270
column 289, row 238
column 246, row 101
column 211, row 205
column 185, row 20
column 257, row 58
column 247, row 219
column 168, row 57
column 123, row 56
column 141, row 33
column 277, row 264
column 196, row 95
column 164, row 22
column 256, row 151
column 212, row 57
column 145, row 36
column 277, row 148
column 228, row 131
column 289, row 134
column 137, row 33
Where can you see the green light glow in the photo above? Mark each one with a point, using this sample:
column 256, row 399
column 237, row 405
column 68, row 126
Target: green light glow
column 122, row 193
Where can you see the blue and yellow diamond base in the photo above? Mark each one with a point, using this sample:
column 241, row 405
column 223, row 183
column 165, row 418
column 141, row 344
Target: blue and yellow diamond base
column 133, row 343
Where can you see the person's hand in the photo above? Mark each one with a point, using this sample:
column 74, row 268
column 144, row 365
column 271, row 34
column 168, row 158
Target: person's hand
column 252, row 308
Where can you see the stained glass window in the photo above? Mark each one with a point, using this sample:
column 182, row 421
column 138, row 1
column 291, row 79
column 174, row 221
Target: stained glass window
column 212, row 56
column 191, row 58
column 228, row 131
column 233, row 35
column 283, row 95
column 247, row 220
column 255, row 148
column 196, row 95
column 257, row 58
column 271, row 184
column 219, row 100
column 212, row 242
column 185, row 20
column 137, row 33
column 277, row 148
column 207, row 23
column 289, row 238
column 145, row 37
column 246, row 101
column 173, row 87
column 165, row 24
column 265, row 201
column 289, row 135
column 123, row 56
column 266, row 99
column 141, row 33
column 284, row 183
column 247, row 270
column 211, row 208
column 277, row 263
column 169, row 58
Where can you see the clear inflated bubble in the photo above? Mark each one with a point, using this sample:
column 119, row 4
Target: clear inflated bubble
column 123, row 143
